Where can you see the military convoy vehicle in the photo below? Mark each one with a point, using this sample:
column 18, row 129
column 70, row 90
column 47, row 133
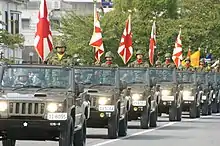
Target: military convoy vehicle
column 171, row 92
column 216, row 97
column 109, row 107
column 144, row 96
column 41, row 102
column 192, row 92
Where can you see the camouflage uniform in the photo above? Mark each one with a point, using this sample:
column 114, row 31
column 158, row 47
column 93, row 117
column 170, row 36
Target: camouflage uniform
column 168, row 65
column 109, row 63
column 136, row 63
column 53, row 59
column 201, row 66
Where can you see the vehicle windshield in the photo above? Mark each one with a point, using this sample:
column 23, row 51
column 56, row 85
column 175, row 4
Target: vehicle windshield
column 218, row 77
column 211, row 77
column 185, row 77
column 200, row 78
column 35, row 77
column 161, row 74
column 132, row 76
column 95, row 76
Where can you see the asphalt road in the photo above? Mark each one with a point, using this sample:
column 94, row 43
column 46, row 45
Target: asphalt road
column 190, row 132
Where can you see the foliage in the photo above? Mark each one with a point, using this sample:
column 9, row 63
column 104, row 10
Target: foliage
column 199, row 20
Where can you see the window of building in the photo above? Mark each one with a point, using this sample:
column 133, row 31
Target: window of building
column 15, row 23
column 6, row 20
column 25, row 23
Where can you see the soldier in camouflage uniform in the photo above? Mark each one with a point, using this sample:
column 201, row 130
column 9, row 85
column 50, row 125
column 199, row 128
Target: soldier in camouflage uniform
column 60, row 57
column 168, row 63
column 139, row 61
column 188, row 66
column 201, row 65
column 22, row 79
column 208, row 68
column 109, row 58
column 158, row 64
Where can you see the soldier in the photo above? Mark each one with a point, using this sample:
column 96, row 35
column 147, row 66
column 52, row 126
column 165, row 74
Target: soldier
column 22, row 79
column 188, row 66
column 60, row 57
column 139, row 61
column 168, row 63
column 201, row 65
column 109, row 57
column 158, row 64
column 208, row 67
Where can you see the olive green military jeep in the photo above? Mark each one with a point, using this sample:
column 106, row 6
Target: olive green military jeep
column 40, row 102
column 171, row 93
column 143, row 94
column 192, row 92
column 109, row 107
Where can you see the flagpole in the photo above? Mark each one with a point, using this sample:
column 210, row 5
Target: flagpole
column 94, row 4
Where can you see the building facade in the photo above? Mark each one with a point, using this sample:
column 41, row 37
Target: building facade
column 11, row 21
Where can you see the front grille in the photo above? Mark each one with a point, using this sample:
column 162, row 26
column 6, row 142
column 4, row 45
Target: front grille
column 26, row 109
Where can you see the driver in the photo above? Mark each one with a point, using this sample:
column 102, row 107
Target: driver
column 22, row 79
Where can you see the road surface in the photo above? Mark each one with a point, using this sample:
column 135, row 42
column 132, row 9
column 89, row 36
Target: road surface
column 190, row 132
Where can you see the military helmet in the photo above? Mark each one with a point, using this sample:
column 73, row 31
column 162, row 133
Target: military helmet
column 60, row 43
column 139, row 52
column 167, row 55
column 158, row 62
column 109, row 55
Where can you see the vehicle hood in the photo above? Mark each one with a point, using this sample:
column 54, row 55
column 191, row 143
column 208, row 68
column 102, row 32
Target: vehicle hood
column 48, row 96
column 137, row 88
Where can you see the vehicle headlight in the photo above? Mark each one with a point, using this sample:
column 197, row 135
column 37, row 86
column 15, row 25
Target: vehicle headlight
column 136, row 96
column 187, row 93
column 165, row 92
column 52, row 107
column 102, row 100
column 3, row 106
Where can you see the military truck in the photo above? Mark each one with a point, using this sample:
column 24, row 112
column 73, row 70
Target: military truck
column 217, row 91
column 215, row 98
column 192, row 92
column 208, row 92
column 171, row 92
column 42, row 102
column 109, row 106
column 144, row 96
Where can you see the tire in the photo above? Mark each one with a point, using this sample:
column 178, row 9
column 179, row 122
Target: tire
column 80, row 136
column 144, row 121
column 66, row 136
column 210, row 109
column 198, row 112
column 179, row 114
column 153, row 118
column 218, row 106
column 113, row 126
column 172, row 113
column 205, row 108
column 193, row 111
column 8, row 142
column 214, row 106
column 123, row 126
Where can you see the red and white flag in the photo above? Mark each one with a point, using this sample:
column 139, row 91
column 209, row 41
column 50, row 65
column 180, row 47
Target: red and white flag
column 177, row 51
column 96, row 40
column 152, row 45
column 43, row 38
column 125, row 49
column 189, row 52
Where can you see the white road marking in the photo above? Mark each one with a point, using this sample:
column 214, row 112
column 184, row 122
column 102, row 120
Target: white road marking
column 150, row 130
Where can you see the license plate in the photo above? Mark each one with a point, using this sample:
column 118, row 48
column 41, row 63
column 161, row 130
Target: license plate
column 203, row 97
column 139, row 103
column 188, row 98
column 167, row 98
column 106, row 108
column 57, row 116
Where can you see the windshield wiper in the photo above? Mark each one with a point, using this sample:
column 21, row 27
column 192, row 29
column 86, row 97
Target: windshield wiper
column 50, row 87
column 102, row 84
column 26, row 86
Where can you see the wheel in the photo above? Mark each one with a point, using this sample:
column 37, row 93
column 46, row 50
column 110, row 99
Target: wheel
column 80, row 136
column 113, row 125
column 218, row 106
column 172, row 113
column 145, row 118
column 193, row 111
column 179, row 114
column 205, row 108
column 66, row 136
column 209, row 109
column 198, row 112
column 8, row 142
column 214, row 106
column 123, row 126
column 153, row 118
